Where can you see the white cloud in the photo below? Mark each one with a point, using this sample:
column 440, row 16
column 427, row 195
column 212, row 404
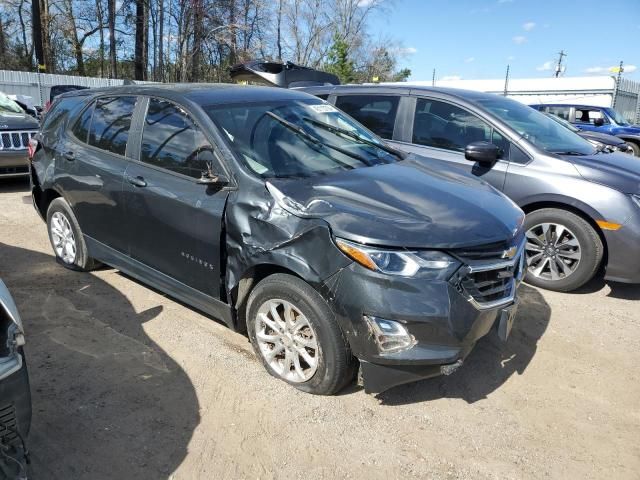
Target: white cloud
column 546, row 66
column 608, row 70
column 529, row 26
column 451, row 77
column 519, row 39
column 409, row 50
column 469, row 60
column 511, row 57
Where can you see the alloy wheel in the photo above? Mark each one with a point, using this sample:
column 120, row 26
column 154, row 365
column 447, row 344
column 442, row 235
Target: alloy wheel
column 64, row 242
column 287, row 341
column 553, row 251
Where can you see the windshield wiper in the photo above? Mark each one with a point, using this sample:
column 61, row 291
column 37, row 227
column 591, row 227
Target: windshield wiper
column 356, row 137
column 303, row 133
column 571, row 153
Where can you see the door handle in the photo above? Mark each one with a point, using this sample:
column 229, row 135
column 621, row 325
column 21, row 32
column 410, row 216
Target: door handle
column 136, row 181
column 70, row 156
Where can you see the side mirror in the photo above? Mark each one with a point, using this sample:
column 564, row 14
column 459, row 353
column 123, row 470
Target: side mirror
column 484, row 153
column 207, row 179
column 598, row 122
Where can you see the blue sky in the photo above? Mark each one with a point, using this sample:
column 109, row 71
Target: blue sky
column 474, row 39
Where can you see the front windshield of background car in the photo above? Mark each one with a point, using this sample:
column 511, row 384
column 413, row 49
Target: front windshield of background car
column 271, row 149
column 616, row 116
column 8, row 105
column 537, row 128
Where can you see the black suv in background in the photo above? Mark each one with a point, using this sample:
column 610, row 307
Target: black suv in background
column 276, row 213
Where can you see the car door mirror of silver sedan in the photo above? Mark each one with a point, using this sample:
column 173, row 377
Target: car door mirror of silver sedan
column 484, row 153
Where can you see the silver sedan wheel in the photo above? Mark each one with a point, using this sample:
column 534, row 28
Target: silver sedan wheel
column 287, row 340
column 553, row 251
column 64, row 242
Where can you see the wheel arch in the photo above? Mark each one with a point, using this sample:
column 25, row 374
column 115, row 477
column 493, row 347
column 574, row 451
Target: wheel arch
column 577, row 210
column 239, row 293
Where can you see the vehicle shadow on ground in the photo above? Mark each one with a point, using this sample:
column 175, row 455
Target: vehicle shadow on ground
column 623, row 291
column 11, row 185
column 490, row 364
column 107, row 401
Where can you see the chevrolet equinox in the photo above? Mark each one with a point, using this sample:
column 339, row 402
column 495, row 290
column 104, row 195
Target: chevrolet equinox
column 279, row 215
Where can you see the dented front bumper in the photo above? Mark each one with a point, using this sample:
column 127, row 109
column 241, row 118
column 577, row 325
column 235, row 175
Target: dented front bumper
column 444, row 324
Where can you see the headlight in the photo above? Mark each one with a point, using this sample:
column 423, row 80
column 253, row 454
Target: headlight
column 404, row 263
column 636, row 199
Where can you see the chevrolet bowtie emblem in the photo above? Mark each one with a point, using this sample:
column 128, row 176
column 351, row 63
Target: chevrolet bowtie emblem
column 510, row 253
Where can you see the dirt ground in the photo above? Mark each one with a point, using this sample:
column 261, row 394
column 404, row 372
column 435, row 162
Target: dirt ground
column 128, row 383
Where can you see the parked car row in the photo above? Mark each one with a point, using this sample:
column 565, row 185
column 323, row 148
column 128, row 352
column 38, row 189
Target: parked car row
column 385, row 228
column 330, row 244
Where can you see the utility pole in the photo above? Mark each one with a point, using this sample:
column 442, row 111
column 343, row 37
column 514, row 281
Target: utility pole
column 433, row 78
column 506, row 81
column 615, row 93
column 558, row 71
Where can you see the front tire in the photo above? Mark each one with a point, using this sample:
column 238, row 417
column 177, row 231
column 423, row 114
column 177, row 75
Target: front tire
column 635, row 147
column 563, row 250
column 66, row 237
column 296, row 336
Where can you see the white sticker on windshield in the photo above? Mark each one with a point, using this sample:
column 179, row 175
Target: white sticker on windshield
column 323, row 108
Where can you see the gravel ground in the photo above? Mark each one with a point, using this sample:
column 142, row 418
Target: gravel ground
column 128, row 383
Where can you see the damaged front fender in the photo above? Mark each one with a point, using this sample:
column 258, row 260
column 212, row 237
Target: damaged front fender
column 261, row 233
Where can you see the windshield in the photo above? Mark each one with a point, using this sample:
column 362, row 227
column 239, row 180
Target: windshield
column 616, row 117
column 8, row 105
column 538, row 129
column 291, row 138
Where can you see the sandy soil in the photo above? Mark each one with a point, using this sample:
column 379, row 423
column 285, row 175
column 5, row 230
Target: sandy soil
column 128, row 383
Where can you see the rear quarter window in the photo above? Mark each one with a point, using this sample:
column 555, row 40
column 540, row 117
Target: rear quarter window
column 376, row 112
column 58, row 114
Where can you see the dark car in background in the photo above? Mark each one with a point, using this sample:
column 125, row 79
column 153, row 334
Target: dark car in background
column 597, row 119
column 15, row 394
column 582, row 205
column 602, row 141
column 276, row 213
column 16, row 129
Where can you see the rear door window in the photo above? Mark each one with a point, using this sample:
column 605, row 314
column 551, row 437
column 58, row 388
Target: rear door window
column 376, row 112
column 111, row 122
column 171, row 140
column 443, row 125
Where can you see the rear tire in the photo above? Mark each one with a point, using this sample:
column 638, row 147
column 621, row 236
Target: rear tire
column 563, row 250
column 66, row 238
column 295, row 334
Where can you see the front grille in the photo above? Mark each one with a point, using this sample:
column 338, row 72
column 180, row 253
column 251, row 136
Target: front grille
column 488, row 279
column 8, row 424
column 15, row 140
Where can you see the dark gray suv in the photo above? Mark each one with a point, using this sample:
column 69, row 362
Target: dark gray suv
column 276, row 213
column 582, row 205
column 16, row 129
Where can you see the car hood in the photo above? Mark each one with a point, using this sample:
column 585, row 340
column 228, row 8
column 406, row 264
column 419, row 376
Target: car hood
column 407, row 204
column 616, row 170
column 17, row 121
column 604, row 138
column 629, row 129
